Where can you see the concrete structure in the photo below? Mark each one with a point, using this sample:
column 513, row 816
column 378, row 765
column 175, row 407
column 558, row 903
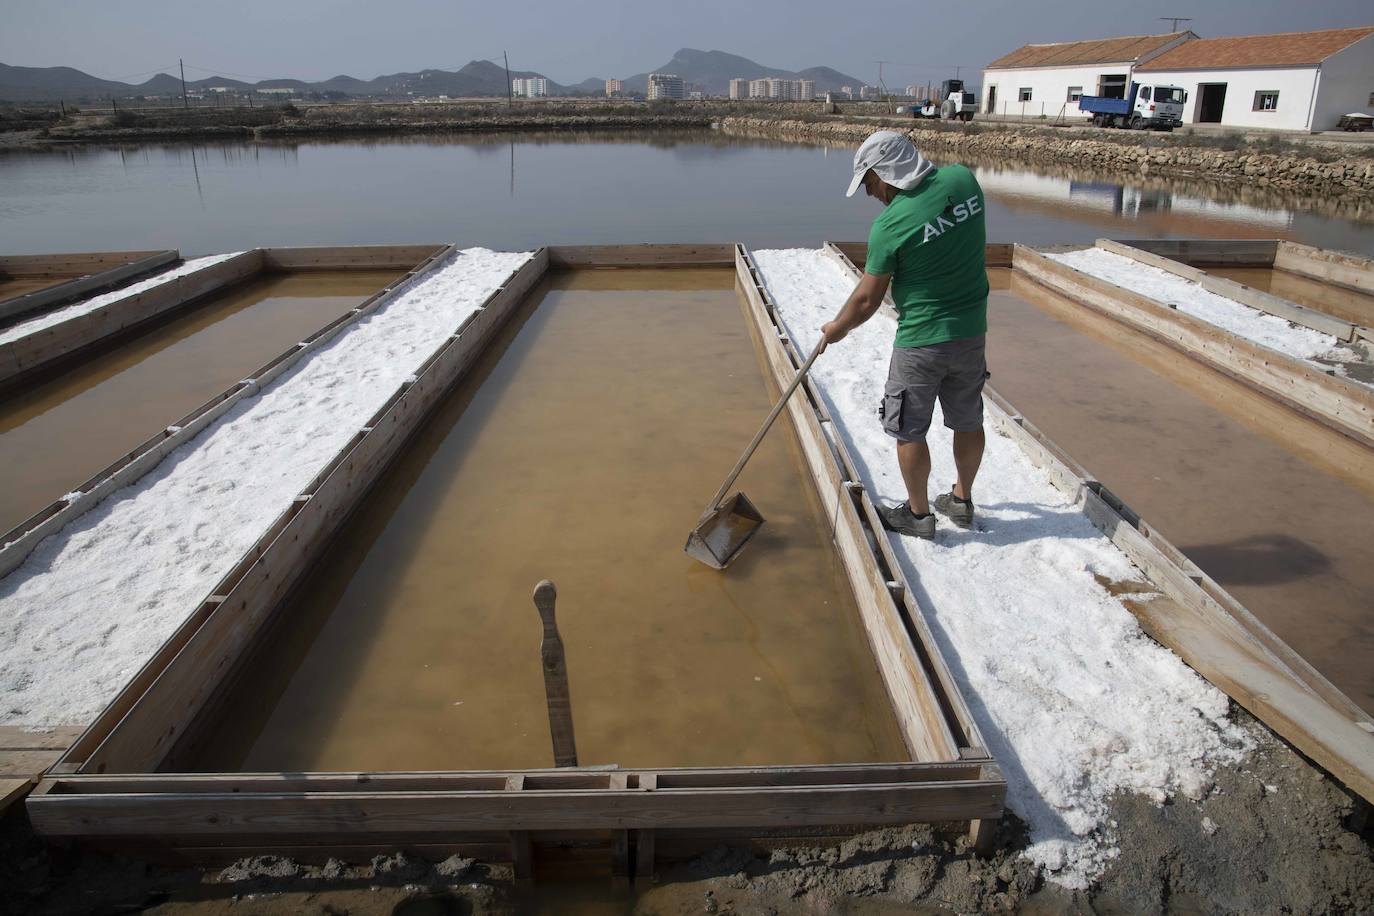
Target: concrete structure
column 665, row 86
column 739, row 88
column 773, row 88
column 613, row 87
column 1048, row 79
column 534, row 87
column 1293, row 81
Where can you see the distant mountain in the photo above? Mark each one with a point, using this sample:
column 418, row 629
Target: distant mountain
column 711, row 72
column 708, row 71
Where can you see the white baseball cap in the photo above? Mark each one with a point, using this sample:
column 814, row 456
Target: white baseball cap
column 893, row 157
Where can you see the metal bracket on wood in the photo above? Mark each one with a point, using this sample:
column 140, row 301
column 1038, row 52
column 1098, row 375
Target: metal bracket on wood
column 556, row 690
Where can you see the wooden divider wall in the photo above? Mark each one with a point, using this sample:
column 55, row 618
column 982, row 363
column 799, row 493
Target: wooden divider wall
column 89, row 273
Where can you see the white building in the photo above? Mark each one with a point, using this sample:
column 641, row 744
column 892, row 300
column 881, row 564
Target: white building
column 1294, row 81
column 1048, row 79
column 665, row 86
column 534, row 87
column 739, row 89
column 806, row 90
column 614, row 87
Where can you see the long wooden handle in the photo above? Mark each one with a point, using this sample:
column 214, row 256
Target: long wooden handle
column 556, row 691
column 763, row 430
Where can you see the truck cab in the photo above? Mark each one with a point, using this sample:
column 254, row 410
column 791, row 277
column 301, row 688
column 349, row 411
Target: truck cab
column 1146, row 106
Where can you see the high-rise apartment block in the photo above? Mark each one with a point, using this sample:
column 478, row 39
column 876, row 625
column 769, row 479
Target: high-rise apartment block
column 665, row 86
column 774, row 88
column 534, row 87
column 613, row 87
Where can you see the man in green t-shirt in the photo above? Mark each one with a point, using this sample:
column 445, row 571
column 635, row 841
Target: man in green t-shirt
column 928, row 244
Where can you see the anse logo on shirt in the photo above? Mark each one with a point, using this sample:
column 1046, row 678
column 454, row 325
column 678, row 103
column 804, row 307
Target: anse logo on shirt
column 962, row 212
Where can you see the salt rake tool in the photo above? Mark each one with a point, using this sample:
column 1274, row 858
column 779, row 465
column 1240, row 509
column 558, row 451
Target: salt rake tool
column 725, row 527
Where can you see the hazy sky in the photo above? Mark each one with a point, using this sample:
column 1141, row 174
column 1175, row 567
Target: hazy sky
column 570, row 41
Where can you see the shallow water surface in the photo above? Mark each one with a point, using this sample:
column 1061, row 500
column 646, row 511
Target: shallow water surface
column 584, row 453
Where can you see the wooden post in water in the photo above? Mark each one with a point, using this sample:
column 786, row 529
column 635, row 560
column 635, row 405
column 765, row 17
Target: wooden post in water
column 555, row 679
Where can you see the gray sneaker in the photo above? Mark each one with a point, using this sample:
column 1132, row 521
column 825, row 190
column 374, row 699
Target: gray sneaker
column 902, row 520
column 959, row 511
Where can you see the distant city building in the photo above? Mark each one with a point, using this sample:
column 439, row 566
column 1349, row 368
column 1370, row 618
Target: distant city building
column 914, row 92
column 613, row 87
column 534, row 87
column 868, row 92
column 847, row 91
column 665, row 86
column 696, row 94
column 773, row 88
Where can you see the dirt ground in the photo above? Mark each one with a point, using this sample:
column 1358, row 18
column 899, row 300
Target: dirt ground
column 1272, row 836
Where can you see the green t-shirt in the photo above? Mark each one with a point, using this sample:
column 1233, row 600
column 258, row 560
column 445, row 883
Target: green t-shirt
column 931, row 240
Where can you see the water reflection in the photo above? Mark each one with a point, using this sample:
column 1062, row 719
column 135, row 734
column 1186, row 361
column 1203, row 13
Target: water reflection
column 579, row 187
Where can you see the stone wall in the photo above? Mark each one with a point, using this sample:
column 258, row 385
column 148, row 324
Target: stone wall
column 1164, row 157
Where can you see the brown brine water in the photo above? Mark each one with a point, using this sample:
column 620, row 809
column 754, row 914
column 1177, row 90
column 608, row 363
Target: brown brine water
column 582, row 450
column 61, row 429
column 1324, row 297
column 1275, row 507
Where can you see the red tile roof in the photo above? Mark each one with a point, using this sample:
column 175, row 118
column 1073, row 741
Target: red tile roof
column 1097, row 51
column 1289, row 49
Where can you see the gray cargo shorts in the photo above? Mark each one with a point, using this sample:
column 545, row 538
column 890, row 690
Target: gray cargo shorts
column 953, row 372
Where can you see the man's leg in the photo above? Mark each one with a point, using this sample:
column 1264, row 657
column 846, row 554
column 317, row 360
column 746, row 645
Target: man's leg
column 913, row 458
column 968, row 455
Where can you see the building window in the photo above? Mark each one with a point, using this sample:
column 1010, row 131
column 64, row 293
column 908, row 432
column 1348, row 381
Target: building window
column 1075, row 93
column 1024, row 95
column 1266, row 100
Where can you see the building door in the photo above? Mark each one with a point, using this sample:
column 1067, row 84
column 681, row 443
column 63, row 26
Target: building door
column 992, row 100
column 1112, row 85
column 1211, row 99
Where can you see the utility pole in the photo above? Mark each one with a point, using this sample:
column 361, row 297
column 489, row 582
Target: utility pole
column 1174, row 21
column 184, row 101
column 510, row 97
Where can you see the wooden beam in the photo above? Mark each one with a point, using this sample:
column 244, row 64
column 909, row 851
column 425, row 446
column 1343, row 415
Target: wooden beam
column 209, row 645
column 1209, row 628
column 1211, row 252
column 348, row 257
column 1257, row 299
column 995, row 254
column 137, row 264
column 1342, row 404
column 599, row 256
column 70, row 264
column 1334, row 267
column 417, row 814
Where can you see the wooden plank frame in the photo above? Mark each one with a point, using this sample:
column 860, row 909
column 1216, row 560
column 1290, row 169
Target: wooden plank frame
column 75, row 276
column 1257, row 299
column 1340, row 403
column 43, row 348
column 1207, row 626
column 20, row 541
column 108, row 787
column 1335, row 267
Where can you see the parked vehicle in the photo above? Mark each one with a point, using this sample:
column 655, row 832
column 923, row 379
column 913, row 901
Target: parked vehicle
column 1145, row 106
column 954, row 103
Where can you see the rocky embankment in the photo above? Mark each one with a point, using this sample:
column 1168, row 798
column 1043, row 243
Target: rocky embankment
column 1150, row 154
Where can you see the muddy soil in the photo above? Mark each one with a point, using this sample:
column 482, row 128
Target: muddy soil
column 1271, row 836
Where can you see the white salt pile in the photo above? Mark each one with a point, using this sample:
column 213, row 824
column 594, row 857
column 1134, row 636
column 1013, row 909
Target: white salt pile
column 1074, row 700
column 94, row 601
column 86, row 306
column 1190, row 298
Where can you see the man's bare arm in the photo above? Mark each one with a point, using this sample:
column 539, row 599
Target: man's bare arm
column 861, row 305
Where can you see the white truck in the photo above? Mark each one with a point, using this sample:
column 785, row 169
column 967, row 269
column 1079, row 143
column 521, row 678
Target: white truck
column 1145, row 106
